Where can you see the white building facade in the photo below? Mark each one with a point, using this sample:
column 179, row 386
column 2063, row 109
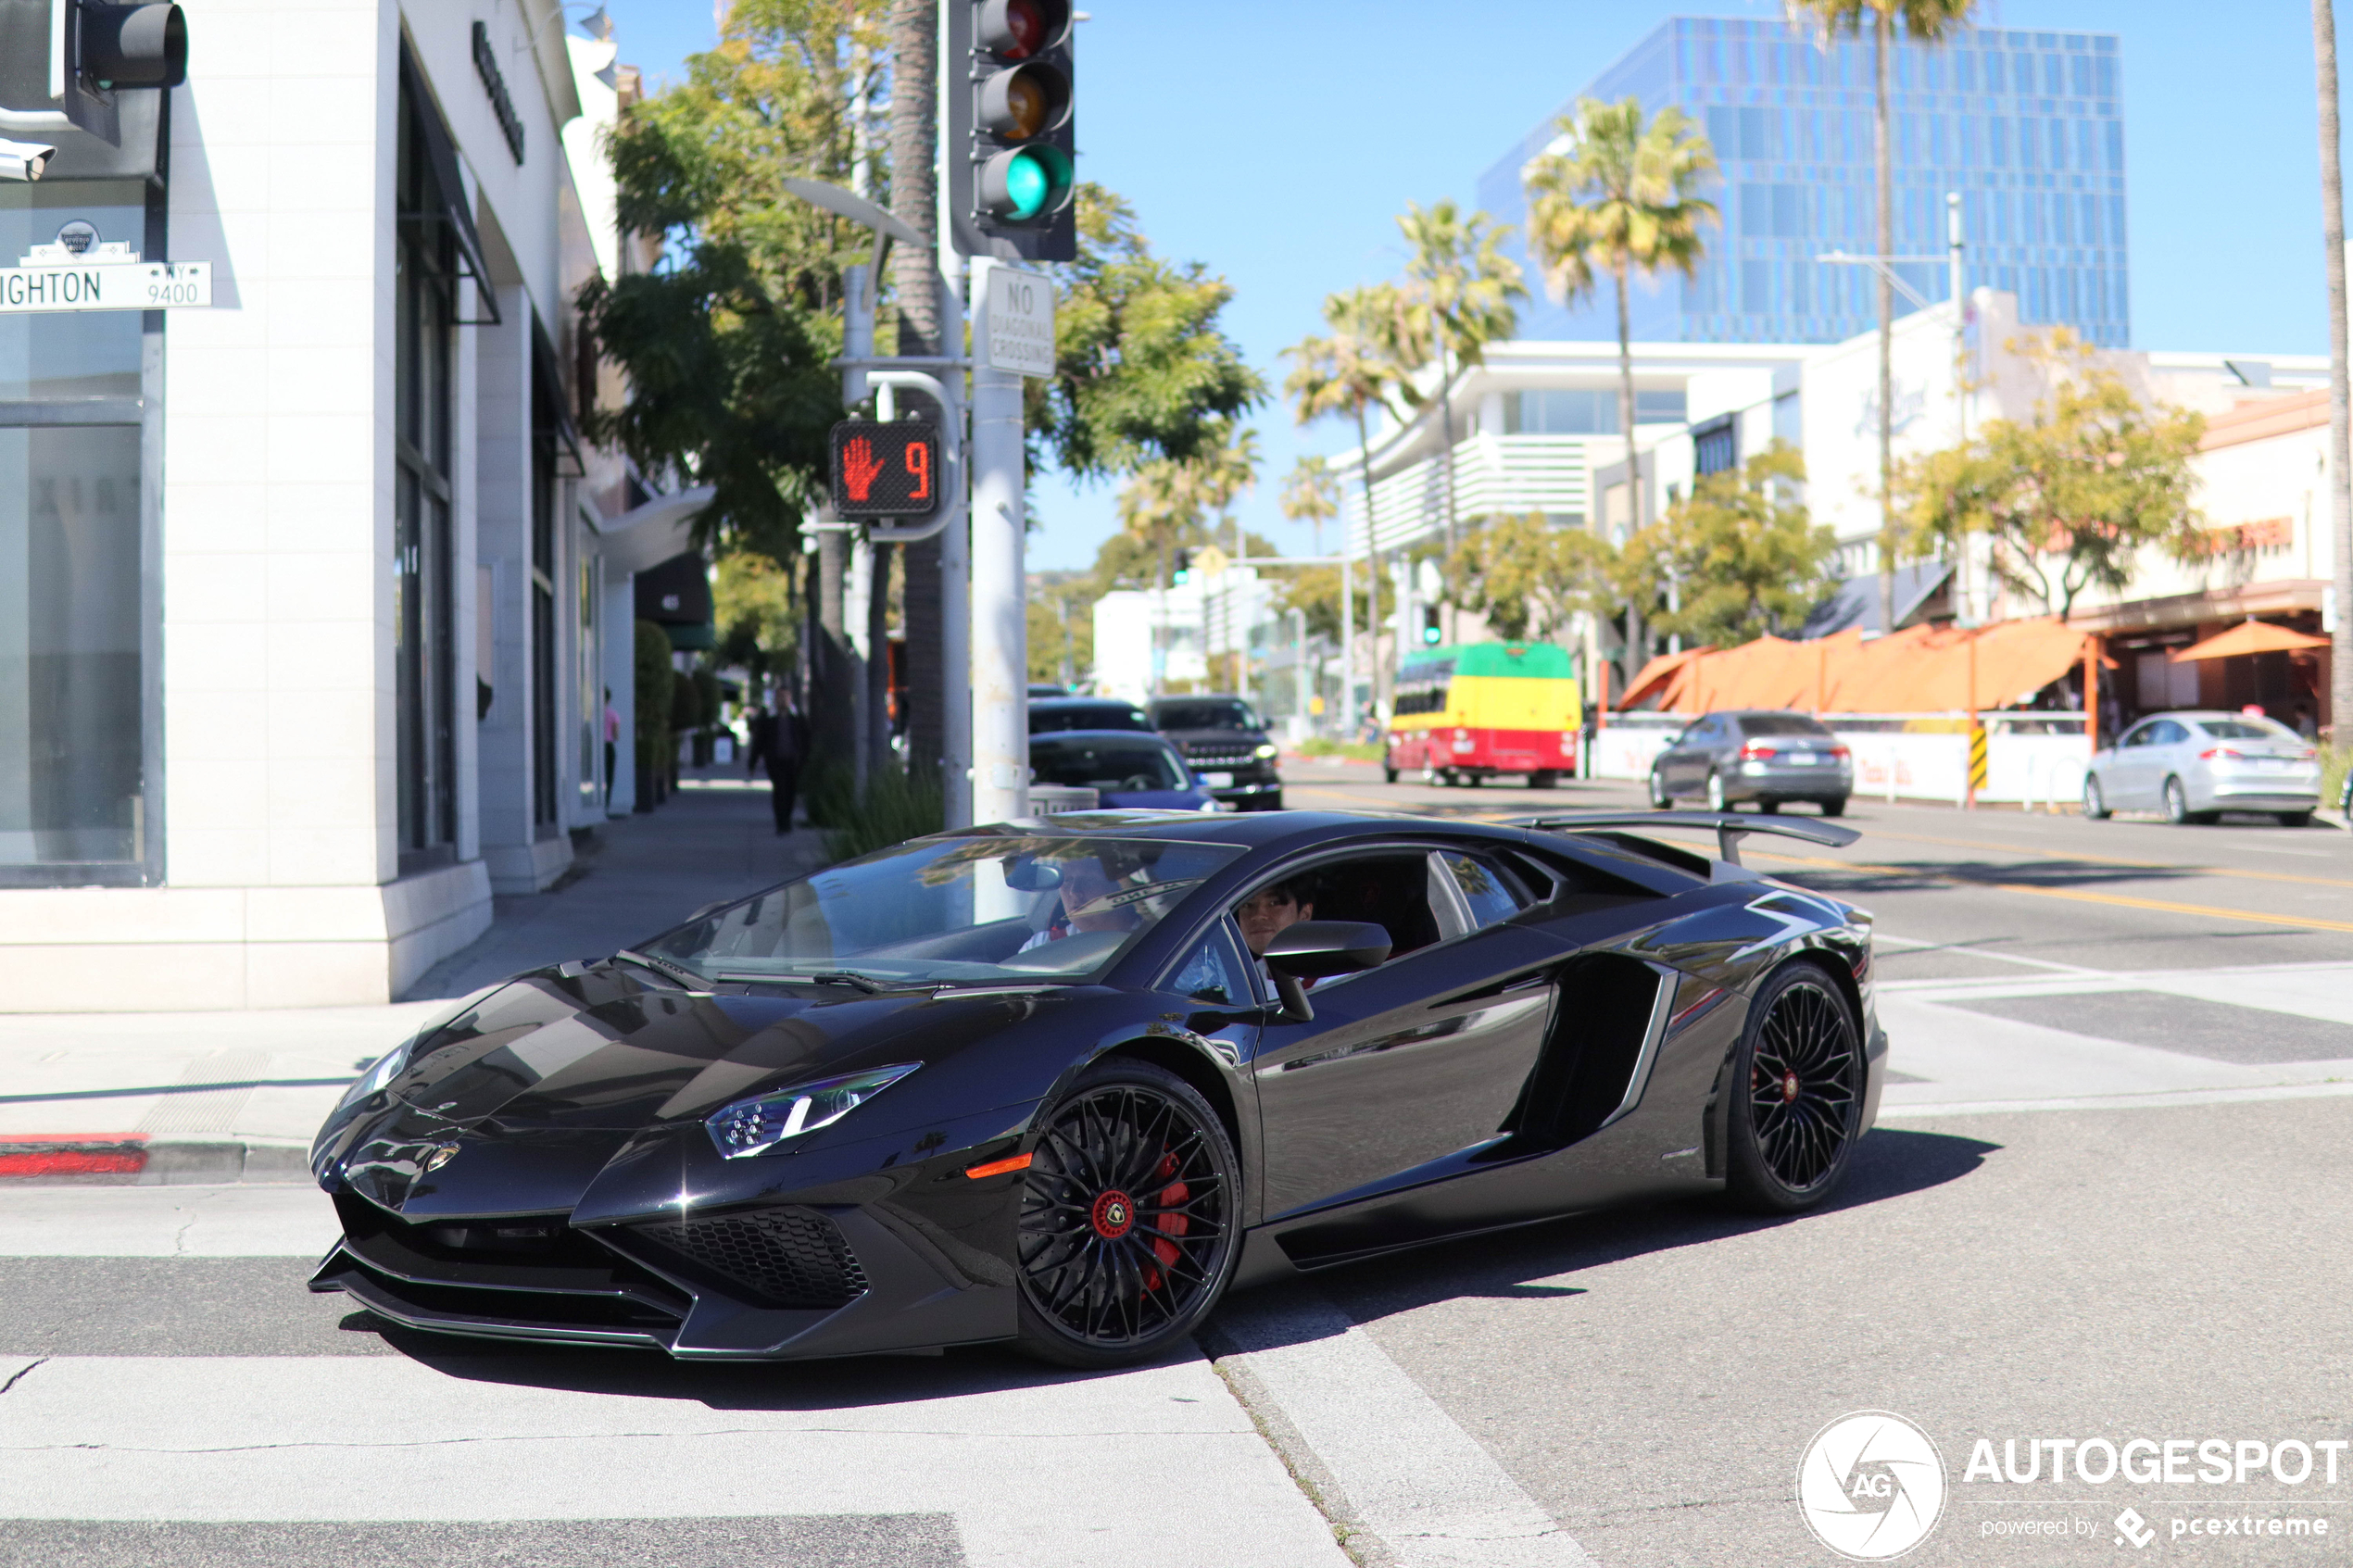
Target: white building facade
column 308, row 598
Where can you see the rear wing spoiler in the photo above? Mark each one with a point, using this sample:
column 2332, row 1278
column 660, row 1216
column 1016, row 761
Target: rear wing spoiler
column 1729, row 827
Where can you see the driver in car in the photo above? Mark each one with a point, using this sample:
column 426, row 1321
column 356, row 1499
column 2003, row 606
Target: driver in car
column 1084, row 884
column 1266, row 913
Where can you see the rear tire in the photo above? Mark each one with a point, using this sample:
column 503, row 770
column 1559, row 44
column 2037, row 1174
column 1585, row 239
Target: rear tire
column 1836, row 807
column 1797, row 1095
column 2295, row 819
column 2095, row 799
column 1771, row 808
column 1129, row 1219
column 1543, row 781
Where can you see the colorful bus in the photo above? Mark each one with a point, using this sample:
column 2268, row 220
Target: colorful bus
column 1466, row 712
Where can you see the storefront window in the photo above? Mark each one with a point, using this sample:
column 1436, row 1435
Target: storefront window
column 422, row 605
column 74, row 712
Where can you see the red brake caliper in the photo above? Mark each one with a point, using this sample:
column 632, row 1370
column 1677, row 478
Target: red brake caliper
column 1170, row 1196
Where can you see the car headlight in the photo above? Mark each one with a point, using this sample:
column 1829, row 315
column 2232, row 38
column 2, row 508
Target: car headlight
column 759, row 1124
column 1268, row 752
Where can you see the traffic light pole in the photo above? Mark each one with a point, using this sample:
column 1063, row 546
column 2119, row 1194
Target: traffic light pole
column 1000, row 603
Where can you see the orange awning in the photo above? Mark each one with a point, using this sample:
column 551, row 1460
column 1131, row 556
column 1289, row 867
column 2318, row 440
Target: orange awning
column 1919, row 670
column 2249, row 637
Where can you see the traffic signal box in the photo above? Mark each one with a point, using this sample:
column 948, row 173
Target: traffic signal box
column 885, row 470
column 1012, row 161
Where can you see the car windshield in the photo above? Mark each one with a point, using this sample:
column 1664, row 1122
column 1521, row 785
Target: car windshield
column 1780, row 724
column 1107, row 762
column 2245, row 729
column 1088, row 716
column 956, row 911
column 1223, row 713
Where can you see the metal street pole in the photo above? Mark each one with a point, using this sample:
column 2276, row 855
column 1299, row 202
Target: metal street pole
column 999, row 606
column 1966, row 604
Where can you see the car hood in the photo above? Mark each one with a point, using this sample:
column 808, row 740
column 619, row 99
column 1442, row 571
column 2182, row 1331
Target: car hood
column 602, row 1050
column 1229, row 740
column 1155, row 799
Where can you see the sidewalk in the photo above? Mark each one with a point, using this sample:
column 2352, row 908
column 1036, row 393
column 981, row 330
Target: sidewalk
column 214, row 1097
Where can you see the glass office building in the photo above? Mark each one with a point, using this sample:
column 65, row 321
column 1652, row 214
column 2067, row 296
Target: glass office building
column 2027, row 126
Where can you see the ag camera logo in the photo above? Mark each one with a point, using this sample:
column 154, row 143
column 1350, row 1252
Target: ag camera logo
column 1871, row 1486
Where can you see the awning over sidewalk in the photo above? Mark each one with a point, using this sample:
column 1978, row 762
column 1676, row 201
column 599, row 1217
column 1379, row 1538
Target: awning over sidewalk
column 1920, row 669
column 2249, row 637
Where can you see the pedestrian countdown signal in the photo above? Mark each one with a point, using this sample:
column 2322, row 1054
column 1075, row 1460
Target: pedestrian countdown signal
column 885, row 470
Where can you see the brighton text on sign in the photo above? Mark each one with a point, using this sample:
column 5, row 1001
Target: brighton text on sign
column 139, row 285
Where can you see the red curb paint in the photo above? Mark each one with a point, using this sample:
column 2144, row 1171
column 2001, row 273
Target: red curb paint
column 86, row 1156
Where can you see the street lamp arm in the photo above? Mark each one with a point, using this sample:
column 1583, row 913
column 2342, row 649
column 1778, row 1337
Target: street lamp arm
column 1880, row 264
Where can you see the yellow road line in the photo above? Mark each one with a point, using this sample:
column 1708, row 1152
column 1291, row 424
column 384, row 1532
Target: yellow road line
column 2112, row 860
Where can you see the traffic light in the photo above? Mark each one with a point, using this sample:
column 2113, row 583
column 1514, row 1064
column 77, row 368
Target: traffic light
column 1183, row 572
column 115, row 47
column 1430, row 625
column 1012, row 163
column 884, row 469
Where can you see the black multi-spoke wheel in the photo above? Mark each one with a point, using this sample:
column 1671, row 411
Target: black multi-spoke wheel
column 1127, row 1218
column 1799, row 1100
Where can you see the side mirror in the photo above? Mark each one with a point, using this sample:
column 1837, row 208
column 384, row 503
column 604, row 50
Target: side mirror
column 1314, row 949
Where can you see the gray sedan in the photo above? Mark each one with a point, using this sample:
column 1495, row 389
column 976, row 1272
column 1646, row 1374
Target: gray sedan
column 1765, row 757
column 2194, row 767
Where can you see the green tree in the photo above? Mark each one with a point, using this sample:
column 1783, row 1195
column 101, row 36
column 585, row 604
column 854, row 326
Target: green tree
column 759, row 614
column 1469, row 291
column 1143, row 371
column 1736, row 559
column 1616, row 195
column 2072, row 495
column 1062, row 626
column 1925, row 21
column 1529, row 577
column 727, row 346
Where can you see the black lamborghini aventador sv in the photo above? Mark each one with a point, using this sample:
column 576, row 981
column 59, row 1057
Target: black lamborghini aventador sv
column 1065, row 1082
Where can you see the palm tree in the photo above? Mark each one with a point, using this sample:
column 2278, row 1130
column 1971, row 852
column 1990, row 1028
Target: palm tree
column 2340, row 413
column 1311, row 496
column 1358, row 366
column 1612, row 195
column 1925, row 21
column 1166, row 501
column 1469, row 290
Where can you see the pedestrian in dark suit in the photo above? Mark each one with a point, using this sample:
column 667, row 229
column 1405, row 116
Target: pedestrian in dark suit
column 778, row 742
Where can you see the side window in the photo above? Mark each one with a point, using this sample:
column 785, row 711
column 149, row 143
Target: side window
column 1213, row 973
column 2169, row 734
column 2139, row 736
column 1493, row 893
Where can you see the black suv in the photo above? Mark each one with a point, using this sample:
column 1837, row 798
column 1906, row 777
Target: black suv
column 1225, row 743
column 1051, row 715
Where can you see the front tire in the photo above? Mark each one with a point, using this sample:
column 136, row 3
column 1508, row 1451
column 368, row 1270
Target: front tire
column 1129, row 1225
column 1716, row 792
column 1660, row 799
column 1835, row 807
column 2095, row 799
column 1798, row 1105
column 2177, row 802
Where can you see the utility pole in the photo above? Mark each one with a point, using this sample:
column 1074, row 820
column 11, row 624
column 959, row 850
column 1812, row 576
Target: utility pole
column 2340, row 411
column 999, row 606
column 1965, row 601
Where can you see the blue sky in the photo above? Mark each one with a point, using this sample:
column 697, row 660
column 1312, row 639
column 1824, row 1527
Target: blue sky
column 1276, row 141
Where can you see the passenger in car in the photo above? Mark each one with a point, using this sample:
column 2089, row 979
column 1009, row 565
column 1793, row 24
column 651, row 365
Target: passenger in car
column 1265, row 913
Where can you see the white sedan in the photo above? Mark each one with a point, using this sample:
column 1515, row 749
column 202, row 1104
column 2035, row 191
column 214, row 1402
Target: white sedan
column 2194, row 767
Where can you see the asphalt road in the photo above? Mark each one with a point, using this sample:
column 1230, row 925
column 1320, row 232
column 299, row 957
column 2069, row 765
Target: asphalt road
column 2107, row 1201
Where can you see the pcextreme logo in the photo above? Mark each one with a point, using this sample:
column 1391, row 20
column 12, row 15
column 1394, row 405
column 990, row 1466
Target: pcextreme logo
column 1871, row 1486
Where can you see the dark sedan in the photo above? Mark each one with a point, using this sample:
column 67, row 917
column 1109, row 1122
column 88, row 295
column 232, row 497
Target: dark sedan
column 1225, row 742
column 1765, row 758
column 1066, row 1085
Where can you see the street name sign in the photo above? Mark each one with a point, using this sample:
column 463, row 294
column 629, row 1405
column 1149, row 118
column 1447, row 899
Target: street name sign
column 884, row 469
column 1021, row 322
column 110, row 285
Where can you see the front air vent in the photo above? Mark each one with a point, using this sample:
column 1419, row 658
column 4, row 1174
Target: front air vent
column 787, row 1256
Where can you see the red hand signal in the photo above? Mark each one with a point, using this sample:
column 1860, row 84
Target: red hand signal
column 859, row 468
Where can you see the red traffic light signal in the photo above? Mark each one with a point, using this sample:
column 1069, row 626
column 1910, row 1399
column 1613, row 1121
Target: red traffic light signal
column 883, row 470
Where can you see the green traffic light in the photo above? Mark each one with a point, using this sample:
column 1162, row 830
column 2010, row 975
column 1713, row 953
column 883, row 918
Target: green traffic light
column 1028, row 184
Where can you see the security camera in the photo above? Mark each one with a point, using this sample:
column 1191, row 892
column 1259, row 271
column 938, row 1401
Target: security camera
column 23, row 160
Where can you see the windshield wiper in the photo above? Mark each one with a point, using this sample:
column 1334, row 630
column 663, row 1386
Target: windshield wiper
column 663, row 967
column 865, row 983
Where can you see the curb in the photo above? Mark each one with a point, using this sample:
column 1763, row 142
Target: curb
column 134, row 1159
